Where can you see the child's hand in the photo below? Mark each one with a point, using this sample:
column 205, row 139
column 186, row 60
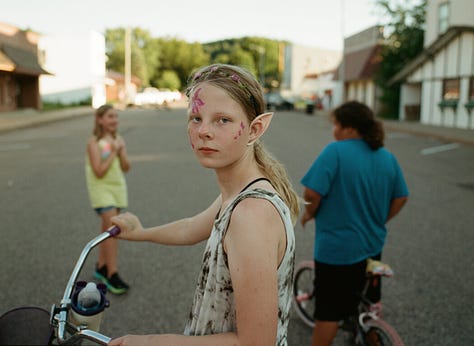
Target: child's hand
column 118, row 144
column 129, row 226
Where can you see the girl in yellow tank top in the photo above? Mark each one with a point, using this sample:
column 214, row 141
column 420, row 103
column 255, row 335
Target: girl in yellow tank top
column 106, row 163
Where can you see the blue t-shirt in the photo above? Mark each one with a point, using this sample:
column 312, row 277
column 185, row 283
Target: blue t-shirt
column 357, row 185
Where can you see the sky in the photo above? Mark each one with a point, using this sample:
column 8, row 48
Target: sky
column 313, row 23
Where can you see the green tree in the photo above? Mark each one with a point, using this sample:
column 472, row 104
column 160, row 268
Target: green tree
column 179, row 56
column 154, row 58
column 144, row 53
column 404, row 41
column 259, row 55
column 169, row 80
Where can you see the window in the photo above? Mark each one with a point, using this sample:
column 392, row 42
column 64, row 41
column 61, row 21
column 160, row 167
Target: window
column 443, row 17
column 451, row 89
column 450, row 97
column 470, row 97
column 471, row 90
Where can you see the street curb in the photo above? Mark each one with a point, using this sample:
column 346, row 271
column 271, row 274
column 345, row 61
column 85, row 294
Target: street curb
column 43, row 118
column 436, row 133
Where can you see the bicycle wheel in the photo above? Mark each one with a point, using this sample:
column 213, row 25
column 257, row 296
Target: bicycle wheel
column 303, row 292
column 380, row 333
column 25, row 326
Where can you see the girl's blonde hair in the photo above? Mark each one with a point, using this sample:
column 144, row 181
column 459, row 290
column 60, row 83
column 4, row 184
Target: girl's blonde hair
column 243, row 87
column 98, row 131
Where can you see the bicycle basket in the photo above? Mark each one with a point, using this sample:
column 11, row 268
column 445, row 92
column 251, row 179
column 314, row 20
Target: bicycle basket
column 25, row 326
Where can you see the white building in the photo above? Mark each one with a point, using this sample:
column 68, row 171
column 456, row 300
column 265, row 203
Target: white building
column 438, row 85
column 77, row 63
column 301, row 62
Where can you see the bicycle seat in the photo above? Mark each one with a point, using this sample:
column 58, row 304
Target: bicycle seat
column 378, row 268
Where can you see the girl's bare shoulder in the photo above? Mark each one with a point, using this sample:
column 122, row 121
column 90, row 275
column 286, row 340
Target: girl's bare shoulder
column 92, row 141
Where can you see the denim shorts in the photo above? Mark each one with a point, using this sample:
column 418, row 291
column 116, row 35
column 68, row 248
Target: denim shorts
column 104, row 209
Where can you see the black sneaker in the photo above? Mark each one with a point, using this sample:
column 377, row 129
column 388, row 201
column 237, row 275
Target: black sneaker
column 101, row 273
column 116, row 285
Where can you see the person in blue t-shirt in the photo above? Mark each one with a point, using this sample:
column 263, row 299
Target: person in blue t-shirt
column 352, row 189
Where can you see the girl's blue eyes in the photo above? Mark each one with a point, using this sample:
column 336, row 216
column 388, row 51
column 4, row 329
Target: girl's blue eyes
column 222, row 120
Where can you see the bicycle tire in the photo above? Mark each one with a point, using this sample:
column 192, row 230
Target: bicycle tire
column 27, row 325
column 303, row 292
column 380, row 333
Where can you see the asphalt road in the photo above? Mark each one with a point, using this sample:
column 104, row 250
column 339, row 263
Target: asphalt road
column 45, row 220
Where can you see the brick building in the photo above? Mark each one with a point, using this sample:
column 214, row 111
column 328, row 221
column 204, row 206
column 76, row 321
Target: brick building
column 19, row 69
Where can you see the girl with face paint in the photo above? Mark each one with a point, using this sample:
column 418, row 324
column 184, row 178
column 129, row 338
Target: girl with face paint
column 243, row 293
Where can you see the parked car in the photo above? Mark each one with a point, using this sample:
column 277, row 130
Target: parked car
column 155, row 97
column 275, row 101
column 149, row 97
column 171, row 96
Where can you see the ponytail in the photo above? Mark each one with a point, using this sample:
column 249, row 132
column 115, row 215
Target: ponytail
column 276, row 173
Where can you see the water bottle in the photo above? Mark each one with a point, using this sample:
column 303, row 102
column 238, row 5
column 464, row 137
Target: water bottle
column 87, row 305
column 89, row 297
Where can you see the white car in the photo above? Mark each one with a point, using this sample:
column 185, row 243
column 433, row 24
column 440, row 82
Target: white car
column 171, row 96
column 149, row 97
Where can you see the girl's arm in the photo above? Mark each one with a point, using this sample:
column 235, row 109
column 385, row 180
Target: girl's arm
column 123, row 155
column 255, row 243
column 187, row 231
column 312, row 200
column 99, row 166
column 395, row 206
column 176, row 340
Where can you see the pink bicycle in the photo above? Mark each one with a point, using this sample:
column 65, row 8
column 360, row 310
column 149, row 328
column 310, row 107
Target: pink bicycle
column 366, row 327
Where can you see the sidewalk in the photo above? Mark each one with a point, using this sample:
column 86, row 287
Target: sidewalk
column 10, row 121
column 445, row 134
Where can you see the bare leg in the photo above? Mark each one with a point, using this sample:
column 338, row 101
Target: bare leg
column 108, row 249
column 324, row 333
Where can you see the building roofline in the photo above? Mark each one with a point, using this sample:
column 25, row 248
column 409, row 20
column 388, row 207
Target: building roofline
column 429, row 52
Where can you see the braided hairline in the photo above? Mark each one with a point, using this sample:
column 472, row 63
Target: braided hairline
column 216, row 72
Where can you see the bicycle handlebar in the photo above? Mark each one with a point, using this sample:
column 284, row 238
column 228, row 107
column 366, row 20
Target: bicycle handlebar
column 61, row 317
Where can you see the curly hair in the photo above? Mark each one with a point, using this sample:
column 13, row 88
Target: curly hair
column 360, row 117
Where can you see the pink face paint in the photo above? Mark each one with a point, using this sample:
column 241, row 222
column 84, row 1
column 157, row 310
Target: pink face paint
column 242, row 126
column 197, row 102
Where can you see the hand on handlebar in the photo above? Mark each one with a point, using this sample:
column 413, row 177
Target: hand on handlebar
column 129, row 225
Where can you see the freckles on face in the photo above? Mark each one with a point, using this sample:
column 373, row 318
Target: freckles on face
column 190, row 138
column 242, row 127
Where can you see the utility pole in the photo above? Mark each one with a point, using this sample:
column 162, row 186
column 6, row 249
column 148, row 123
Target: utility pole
column 343, row 60
column 128, row 65
column 261, row 62
column 262, row 52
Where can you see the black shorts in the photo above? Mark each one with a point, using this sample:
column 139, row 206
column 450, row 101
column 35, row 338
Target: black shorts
column 337, row 290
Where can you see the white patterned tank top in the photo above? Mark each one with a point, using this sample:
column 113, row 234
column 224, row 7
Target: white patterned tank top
column 213, row 309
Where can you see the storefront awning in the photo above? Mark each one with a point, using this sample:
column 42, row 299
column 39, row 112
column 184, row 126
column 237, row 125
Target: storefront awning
column 20, row 61
column 5, row 63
